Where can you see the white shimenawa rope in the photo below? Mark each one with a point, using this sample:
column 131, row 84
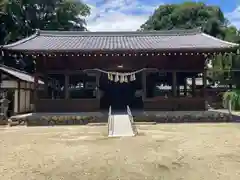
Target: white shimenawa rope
column 120, row 77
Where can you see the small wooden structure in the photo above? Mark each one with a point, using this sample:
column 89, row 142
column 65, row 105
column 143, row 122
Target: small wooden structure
column 93, row 70
column 18, row 86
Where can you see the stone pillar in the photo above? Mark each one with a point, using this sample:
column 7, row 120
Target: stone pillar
column 174, row 83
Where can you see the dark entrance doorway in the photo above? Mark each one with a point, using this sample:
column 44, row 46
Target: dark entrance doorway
column 120, row 95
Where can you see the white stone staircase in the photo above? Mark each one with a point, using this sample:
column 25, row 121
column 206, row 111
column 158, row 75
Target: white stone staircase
column 120, row 125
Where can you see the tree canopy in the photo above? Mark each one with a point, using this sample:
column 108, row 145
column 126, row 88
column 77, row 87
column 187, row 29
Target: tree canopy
column 212, row 21
column 190, row 15
column 22, row 17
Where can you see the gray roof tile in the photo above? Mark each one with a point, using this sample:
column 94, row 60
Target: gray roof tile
column 110, row 41
column 21, row 75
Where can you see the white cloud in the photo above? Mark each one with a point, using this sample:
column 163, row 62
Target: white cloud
column 127, row 15
column 234, row 17
column 118, row 15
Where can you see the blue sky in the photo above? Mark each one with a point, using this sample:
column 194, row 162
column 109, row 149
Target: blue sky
column 125, row 15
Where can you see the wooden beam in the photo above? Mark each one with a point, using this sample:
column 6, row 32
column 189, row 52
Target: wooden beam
column 72, row 72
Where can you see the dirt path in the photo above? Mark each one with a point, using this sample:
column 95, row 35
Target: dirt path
column 171, row 152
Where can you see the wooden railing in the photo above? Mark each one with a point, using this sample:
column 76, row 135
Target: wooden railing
column 110, row 121
column 134, row 128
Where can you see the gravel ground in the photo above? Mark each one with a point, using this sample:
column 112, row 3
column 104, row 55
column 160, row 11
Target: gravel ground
column 161, row 152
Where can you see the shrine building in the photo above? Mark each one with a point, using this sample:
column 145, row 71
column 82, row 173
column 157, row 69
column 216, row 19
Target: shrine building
column 91, row 71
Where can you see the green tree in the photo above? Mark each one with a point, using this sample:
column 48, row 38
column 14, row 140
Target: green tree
column 22, row 17
column 187, row 16
column 192, row 15
column 212, row 21
column 29, row 15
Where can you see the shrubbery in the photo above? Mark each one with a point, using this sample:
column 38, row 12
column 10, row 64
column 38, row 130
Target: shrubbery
column 234, row 98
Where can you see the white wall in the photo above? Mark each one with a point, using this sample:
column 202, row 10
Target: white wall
column 25, row 95
column 9, row 84
column 15, row 101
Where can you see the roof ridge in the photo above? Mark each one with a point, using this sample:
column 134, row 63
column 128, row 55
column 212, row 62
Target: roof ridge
column 37, row 33
column 218, row 39
column 122, row 33
column 79, row 41
column 14, row 69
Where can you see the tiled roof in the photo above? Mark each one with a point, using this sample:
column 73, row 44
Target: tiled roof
column 21, row 75
column 118, row 41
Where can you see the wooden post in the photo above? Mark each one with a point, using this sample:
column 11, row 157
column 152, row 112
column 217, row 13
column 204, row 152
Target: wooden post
column 174, row 83
column 45, row 85
column 193, row 86
column 185, row 87
column 1, row 81
column 98, row 95
column 144, row 85
column 19, row 95
column 178, row 90
column 204, row 79
column 45, row 77
column 35, row 88
column 66, row 86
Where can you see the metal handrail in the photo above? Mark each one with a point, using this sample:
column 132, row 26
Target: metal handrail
column 110, row 121
column 134, row 128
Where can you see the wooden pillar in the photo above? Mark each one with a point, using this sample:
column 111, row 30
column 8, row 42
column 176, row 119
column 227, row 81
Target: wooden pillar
column 178, row 90
column 193, row 86
column 144, row 85
column 174, row 83
column 45, row 77
column 98, row 95
column 58, row 96
column 19, row 96
column 185, row 87
column 66, row 86
column 25, row 93
column 35, row 89
column 0, row 81
column 53, row 87
column 204, row 79
column 45, row 85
